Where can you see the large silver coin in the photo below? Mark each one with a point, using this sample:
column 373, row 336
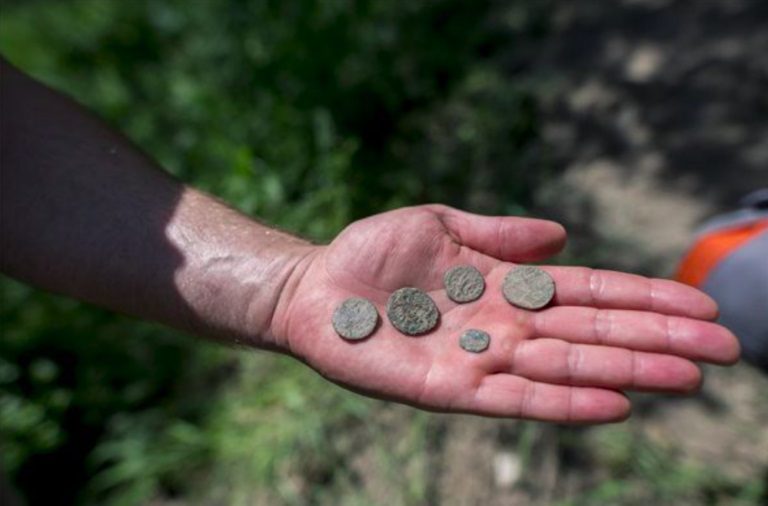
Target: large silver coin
column 355, row 318
column 412, row 311
column 463, row 283
column 528, row 287
column 475, row 341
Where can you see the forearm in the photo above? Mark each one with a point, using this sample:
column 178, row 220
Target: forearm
column 231, row 272
column 86, row 214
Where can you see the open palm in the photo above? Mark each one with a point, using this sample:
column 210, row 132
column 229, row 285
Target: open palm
column 604, row 332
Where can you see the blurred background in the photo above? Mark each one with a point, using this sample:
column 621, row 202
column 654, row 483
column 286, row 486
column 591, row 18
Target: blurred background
column 630, row 121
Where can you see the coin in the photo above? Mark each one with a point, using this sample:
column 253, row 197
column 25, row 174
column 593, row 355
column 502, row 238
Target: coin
column 355, row 318
column 475, row 340
column 412, row 311
column 528, row 287
column 463, row 283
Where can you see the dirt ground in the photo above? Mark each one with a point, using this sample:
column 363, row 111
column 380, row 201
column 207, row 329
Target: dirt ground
column 658, row 119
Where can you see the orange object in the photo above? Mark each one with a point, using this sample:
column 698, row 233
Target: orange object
column 711, row 248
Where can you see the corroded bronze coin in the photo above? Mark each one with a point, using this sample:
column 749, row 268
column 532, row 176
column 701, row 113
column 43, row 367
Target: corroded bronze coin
column 528, row 287
column 463, row 283
column 355, row 318
column 475, row 340
column 412, row 311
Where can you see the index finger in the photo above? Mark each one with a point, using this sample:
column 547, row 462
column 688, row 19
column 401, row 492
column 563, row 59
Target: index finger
column 582, row 286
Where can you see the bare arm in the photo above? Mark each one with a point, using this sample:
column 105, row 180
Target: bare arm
column 85, row 214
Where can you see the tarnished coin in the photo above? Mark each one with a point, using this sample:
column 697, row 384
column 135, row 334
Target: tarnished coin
column 528, row 287
column 463, row 283
column 355, row 318
column 412, row 311
column 475, row 340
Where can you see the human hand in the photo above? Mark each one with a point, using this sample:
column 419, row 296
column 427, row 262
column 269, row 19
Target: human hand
column 604, row 332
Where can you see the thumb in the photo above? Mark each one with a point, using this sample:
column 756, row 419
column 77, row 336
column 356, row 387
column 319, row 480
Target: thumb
column 507, row 238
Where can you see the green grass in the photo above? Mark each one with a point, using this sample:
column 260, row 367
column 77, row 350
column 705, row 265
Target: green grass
column 631, row 469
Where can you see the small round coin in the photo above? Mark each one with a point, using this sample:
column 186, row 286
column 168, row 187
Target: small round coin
column 463, row 283
column 528, row 287
column 355, row 318
column 474, row 340
column 412, row 311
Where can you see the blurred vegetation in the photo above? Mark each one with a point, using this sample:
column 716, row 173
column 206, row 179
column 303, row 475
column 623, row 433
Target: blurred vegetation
column 638, row 471
column 307, row 114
